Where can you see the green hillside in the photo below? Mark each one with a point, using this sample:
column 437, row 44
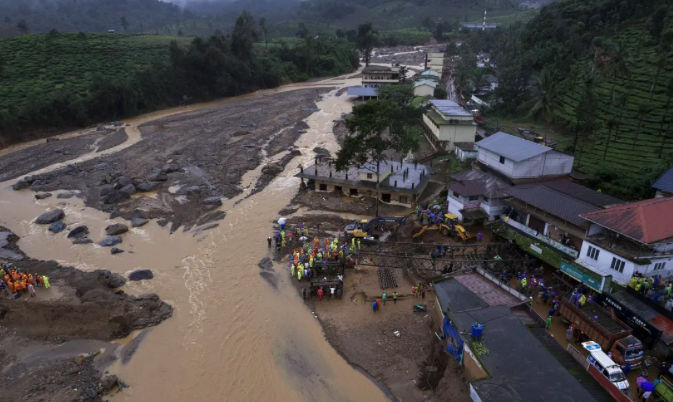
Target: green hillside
column 600, row 71
column 41, row 65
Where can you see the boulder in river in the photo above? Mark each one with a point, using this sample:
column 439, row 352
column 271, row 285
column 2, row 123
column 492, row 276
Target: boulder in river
column 42, row 196
column 213, row 201
column 20, row 185
column 148, row 186
column 109, row 382
column 139, row 213
column 57, row 227
column 66, row 195
column 140, row 274
column 79, row 231
column 82, row 240
column 116, row 196
column 138, row 222
column 157, row 176
column 116, row 229
column 130, row 189
column 162, row 222
column 115, row 214
column 110, row 241
column 50, row 217
column 116, row 250
column 124, row 181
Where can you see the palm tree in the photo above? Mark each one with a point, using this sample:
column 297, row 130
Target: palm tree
column 664, row 48
column 545, row 99
column 611, row 124
column 643, row 111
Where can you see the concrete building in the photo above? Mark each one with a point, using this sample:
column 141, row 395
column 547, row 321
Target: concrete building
column 400, row 183
column 377, row 76
column 475, row 195
column 518, row 158
column 664, row 184
column 436, row 62
column 425, row 88
column 625, row 239
column 465, row 151
column 447, row 123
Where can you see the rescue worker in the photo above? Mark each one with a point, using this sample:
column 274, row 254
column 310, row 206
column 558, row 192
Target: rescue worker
column 384, row 298
column 315, row 243
column 639, row 284
column 282, row 236
column 524, row 283
column 358, row 244
column 300, row 273
column 292, row 269
column 583, row 299
column 320, row 293
column 394, row 297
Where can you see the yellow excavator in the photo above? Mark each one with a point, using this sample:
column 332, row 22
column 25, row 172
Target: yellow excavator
column 365, row 228
column 449, row 227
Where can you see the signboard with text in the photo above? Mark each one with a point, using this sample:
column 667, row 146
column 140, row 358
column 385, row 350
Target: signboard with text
column 592, row 282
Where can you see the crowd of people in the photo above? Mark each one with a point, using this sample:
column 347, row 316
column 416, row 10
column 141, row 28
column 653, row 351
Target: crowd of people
column 15, row 283
column 653, row 288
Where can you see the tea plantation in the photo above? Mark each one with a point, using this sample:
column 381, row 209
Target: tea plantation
column 38, row 65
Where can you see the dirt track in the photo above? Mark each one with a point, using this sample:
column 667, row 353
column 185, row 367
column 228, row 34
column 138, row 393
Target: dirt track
column 203, row 154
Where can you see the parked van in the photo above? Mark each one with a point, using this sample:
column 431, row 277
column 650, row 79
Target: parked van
column 606, row 366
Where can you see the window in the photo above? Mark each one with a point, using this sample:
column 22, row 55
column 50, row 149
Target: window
column 474, row 198
column 385, row 197
column 592, row 252
column 502, row 160
column 323, row 187
column 617, row 264
column 403, row 199
column 338, row 189
column 456, row 194
column 354, row 191
column 659, row 265
column 370, row 176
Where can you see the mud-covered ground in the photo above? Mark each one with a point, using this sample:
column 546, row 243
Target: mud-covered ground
column 54, row 150
column 198, row 155
column 85, row 310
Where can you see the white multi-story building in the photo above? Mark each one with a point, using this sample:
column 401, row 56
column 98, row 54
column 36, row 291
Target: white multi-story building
column 447, row 123
column 518, row 158
column 625, row 239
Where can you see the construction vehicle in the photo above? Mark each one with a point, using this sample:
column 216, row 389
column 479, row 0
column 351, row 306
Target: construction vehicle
column 365, row 229
column 536, row 137
column 449, row 227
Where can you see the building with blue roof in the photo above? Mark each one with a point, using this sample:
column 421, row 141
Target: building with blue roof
column 664, row 184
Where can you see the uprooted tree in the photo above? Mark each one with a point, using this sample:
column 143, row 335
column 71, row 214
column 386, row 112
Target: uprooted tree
column 377, row 127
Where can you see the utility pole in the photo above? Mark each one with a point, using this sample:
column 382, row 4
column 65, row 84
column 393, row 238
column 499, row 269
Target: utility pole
column 141, row 28
column 483, row 27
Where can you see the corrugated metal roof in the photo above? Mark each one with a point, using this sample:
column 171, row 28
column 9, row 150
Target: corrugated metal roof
column 449, row 108
column 665, row 182
column 583, row 193
column 648, row 221
column 362, row 91
column 425, row 82
column 553, row 202
column 476, row 182
column 646, row 313
column 431, row 73
column 511, row 147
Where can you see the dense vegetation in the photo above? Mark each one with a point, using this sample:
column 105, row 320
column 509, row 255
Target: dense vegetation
column 63, row 80
column 600, row 71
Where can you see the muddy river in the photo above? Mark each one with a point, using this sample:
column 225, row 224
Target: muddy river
column 233, row 336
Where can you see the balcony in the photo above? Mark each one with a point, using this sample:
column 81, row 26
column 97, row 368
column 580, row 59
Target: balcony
column 538, row 236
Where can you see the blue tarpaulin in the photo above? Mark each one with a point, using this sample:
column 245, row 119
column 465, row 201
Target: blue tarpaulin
column 454, row 343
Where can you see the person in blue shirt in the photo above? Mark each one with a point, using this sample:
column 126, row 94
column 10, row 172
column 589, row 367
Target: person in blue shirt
column 375, row 306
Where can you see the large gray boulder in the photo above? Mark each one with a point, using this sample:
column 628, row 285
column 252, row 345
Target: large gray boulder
column 116, row 196
column 213, row 201
column 157, row 176
column 148, row 186
column 139, row 213
column 124, row 181
column 82, row 240
column 140, row 274
column 50, row 217
column 116, row 229
column 130, row 189
column 21, row 184
column 116, row 250
column 107, row 189
column 79, row 231
column 42, row 196
column 57, row 227
column 110, row 241
column 138, row 222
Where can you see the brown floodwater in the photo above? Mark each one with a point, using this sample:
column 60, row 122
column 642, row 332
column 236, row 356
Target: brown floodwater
column 233, row 336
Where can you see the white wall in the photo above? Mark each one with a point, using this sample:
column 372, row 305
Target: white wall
column 384, row 174
column 463, row 155
column 548, row 163
column 605, row 260
column 455, row 207
column 424, row 90
column 493, row 207
column 452, row 133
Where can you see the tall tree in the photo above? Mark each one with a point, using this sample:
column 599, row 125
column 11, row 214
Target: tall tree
column 378, row 127
column 243, row 36
column 366, row 40
column 618, row 65
column 262, row 25
column 643, row 111
column 125, row 24
column 665, row 43
column 665, row 117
